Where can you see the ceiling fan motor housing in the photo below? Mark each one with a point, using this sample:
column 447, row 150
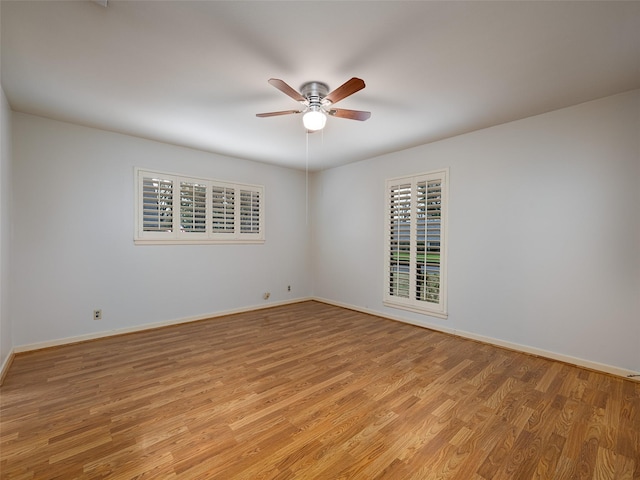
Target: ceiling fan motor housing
column 314, row 92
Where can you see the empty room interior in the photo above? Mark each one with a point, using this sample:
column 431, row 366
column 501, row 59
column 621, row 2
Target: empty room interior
column 320, row 239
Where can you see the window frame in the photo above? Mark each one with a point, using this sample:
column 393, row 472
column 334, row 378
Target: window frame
column 177, row 234
column 410, row 302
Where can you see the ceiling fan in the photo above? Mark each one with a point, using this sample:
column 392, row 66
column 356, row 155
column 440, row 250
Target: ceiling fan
column 318, row 102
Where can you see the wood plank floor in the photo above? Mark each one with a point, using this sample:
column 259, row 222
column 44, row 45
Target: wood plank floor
column 311, row 391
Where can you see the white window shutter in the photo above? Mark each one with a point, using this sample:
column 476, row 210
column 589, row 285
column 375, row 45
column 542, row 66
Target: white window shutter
column 193, row 207
column 398, row 240
column 223, row 209
column 428, row 240
column 415, row 257
column 174, row 209
column 250, row 212
column 157, row 205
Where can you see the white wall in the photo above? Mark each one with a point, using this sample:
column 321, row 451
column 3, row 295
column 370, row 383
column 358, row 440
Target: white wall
column 544, row 234
column 544, row 219
column 6, row 336
column 73, row 248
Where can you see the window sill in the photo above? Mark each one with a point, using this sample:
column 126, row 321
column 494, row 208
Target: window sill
column 422, row 311
column 197, row 242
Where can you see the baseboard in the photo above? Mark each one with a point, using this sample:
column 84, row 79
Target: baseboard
column 4, row 368
column 148, row 326
column 579, row 362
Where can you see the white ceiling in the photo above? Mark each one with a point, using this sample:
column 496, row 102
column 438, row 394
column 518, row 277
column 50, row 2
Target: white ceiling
column 195, row 73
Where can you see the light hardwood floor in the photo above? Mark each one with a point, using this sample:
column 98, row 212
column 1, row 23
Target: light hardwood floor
column 311, row 391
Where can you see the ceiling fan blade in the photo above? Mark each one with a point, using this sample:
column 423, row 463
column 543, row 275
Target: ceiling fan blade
column 347, row 88
column 275, row 114
column 350, row 114
column 286, row 89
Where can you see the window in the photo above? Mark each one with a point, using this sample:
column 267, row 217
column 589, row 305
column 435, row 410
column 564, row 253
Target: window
column 176, row 209
column 415, row 243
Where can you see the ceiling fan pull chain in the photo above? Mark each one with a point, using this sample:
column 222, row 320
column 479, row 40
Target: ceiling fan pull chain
column 306, row 180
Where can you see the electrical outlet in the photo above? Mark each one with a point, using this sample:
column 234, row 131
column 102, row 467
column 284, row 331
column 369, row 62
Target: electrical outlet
column 97, row 314
column 288, row 288
column 266, row 295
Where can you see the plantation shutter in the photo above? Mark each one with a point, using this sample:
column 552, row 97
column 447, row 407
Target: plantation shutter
column 174, row 209
column 428, row 220
column 223, row 209
column 250, row 212
column 399, row 239
column 193, row 207
column 415, row 243
column 157, row 204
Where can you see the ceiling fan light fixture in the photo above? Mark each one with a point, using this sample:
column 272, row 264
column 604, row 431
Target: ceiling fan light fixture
column 314, row 119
